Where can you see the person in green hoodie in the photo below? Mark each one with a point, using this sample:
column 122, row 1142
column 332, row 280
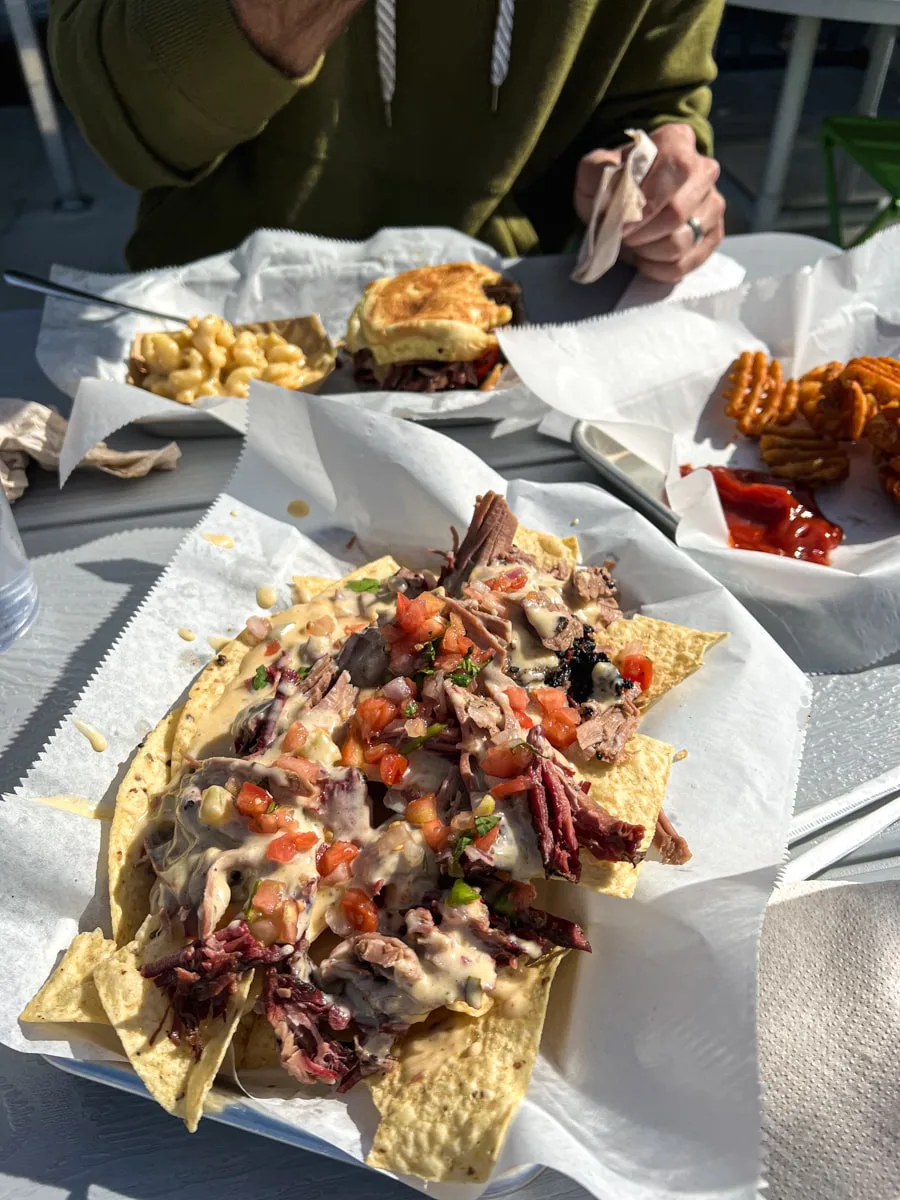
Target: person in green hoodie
column 339, row 117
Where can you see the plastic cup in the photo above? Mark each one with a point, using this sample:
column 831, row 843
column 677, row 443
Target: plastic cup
column 18, row 591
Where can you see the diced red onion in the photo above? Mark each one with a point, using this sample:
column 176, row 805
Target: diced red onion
column 259, row 627
column 416, row 727
column 398, row 690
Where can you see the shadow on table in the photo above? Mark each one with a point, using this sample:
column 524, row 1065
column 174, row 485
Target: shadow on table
column 77, row 668
column 78, row 1139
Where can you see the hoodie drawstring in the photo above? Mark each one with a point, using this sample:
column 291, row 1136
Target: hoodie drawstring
column 386, row 48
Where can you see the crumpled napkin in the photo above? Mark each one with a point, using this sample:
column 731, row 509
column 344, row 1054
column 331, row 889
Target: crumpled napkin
column 33, row 431
column 829, row 1027
column 619, row 201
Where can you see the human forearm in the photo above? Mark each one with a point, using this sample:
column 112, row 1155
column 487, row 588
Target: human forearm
column 665, row 74
column 162, row 89
column 293, row 34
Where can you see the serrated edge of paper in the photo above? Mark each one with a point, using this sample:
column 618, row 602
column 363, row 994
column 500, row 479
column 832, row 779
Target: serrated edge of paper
column 19, row 791
column 17, row 729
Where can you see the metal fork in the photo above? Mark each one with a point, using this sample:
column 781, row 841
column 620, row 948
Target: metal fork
column 60, row 291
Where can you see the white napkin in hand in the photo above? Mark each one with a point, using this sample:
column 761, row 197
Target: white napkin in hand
column 619, row 201
column 829, row 1027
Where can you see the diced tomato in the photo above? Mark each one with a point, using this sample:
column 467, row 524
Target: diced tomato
column 509, row 581
column 268, row 897
column 524, row 720
column 376, row 752
column 435, row 834
column 393, row 768
column 419, row 619
column 353, row 749
column 252, row 800
column 521, row 783
column 504, row 762
column 486, row 362
column 373, row 714
column 518, row 699
column 266, row 822
column 550, row 698
column 486, row 841
column 638, row 668
column 422, row 810
column 454, row 640
column 359, row 910
column 295, row 738
column 561, row 732
column 304, row 767
column 272, row 648
column 329, row 858
column 282, row 849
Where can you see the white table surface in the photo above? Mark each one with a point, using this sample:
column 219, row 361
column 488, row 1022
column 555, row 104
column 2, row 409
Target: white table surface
column 63, row 1137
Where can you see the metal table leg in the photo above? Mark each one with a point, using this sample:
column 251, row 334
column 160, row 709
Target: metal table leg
column 34, row 71
column 787, row 119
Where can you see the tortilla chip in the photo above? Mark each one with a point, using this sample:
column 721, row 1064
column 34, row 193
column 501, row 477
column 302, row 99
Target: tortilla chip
column 206, row 691
column 633, row 790
column 130, row 878
column 255, row 1047
column 139, row 1012
column 549, row 550
column 304, row 587
column 674, row 650
column 446, row 1108
column 70, row 993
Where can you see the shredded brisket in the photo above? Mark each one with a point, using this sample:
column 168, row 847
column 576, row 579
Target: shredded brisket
column 596, row 585
column 564, row 820
column 365, row 657
column 305, row 1022
column 433, row 376
column 489, row 537
column 671, row 846
column 199, row 979
column 606, row 732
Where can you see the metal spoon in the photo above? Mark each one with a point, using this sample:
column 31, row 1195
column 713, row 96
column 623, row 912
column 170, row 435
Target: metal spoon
column 33, row 283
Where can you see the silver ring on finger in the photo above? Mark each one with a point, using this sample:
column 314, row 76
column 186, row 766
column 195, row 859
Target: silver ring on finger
column 696, row 229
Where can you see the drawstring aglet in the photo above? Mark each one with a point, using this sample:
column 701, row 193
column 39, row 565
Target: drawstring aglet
column 387, row 113
column 495, row 98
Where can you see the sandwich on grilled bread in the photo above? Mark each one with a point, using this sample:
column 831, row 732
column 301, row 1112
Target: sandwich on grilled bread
column 432, row 329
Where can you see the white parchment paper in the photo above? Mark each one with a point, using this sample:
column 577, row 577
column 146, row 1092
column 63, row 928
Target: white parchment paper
column 651, row 380
column 647, row 1082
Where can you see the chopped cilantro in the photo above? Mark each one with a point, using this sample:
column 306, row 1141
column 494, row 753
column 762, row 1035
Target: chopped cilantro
column 273, row 806
column 466, row 671
column 461, row 893
column 302, row 672
column 464, row 839
column 409, row 708
column 260, row 679
column 417, row 743
column 363, row 585
column 484, row 825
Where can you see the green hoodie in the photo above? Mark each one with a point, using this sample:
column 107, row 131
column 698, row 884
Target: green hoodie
column 172, row 95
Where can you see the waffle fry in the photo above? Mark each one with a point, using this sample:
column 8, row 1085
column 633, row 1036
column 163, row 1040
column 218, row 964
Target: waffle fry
column 880, row 377
column 838, row 408
column 801, row 454
column 883, row 431
column 888, row 467
column 757, row 396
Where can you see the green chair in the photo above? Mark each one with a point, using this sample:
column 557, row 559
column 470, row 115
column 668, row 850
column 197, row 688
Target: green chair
column 874, row 143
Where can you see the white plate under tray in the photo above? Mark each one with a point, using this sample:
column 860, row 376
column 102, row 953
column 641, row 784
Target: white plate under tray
column 241, row 1116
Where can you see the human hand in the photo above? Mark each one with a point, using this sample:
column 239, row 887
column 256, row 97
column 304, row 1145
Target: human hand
column 293, row 34
column 680, row 185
